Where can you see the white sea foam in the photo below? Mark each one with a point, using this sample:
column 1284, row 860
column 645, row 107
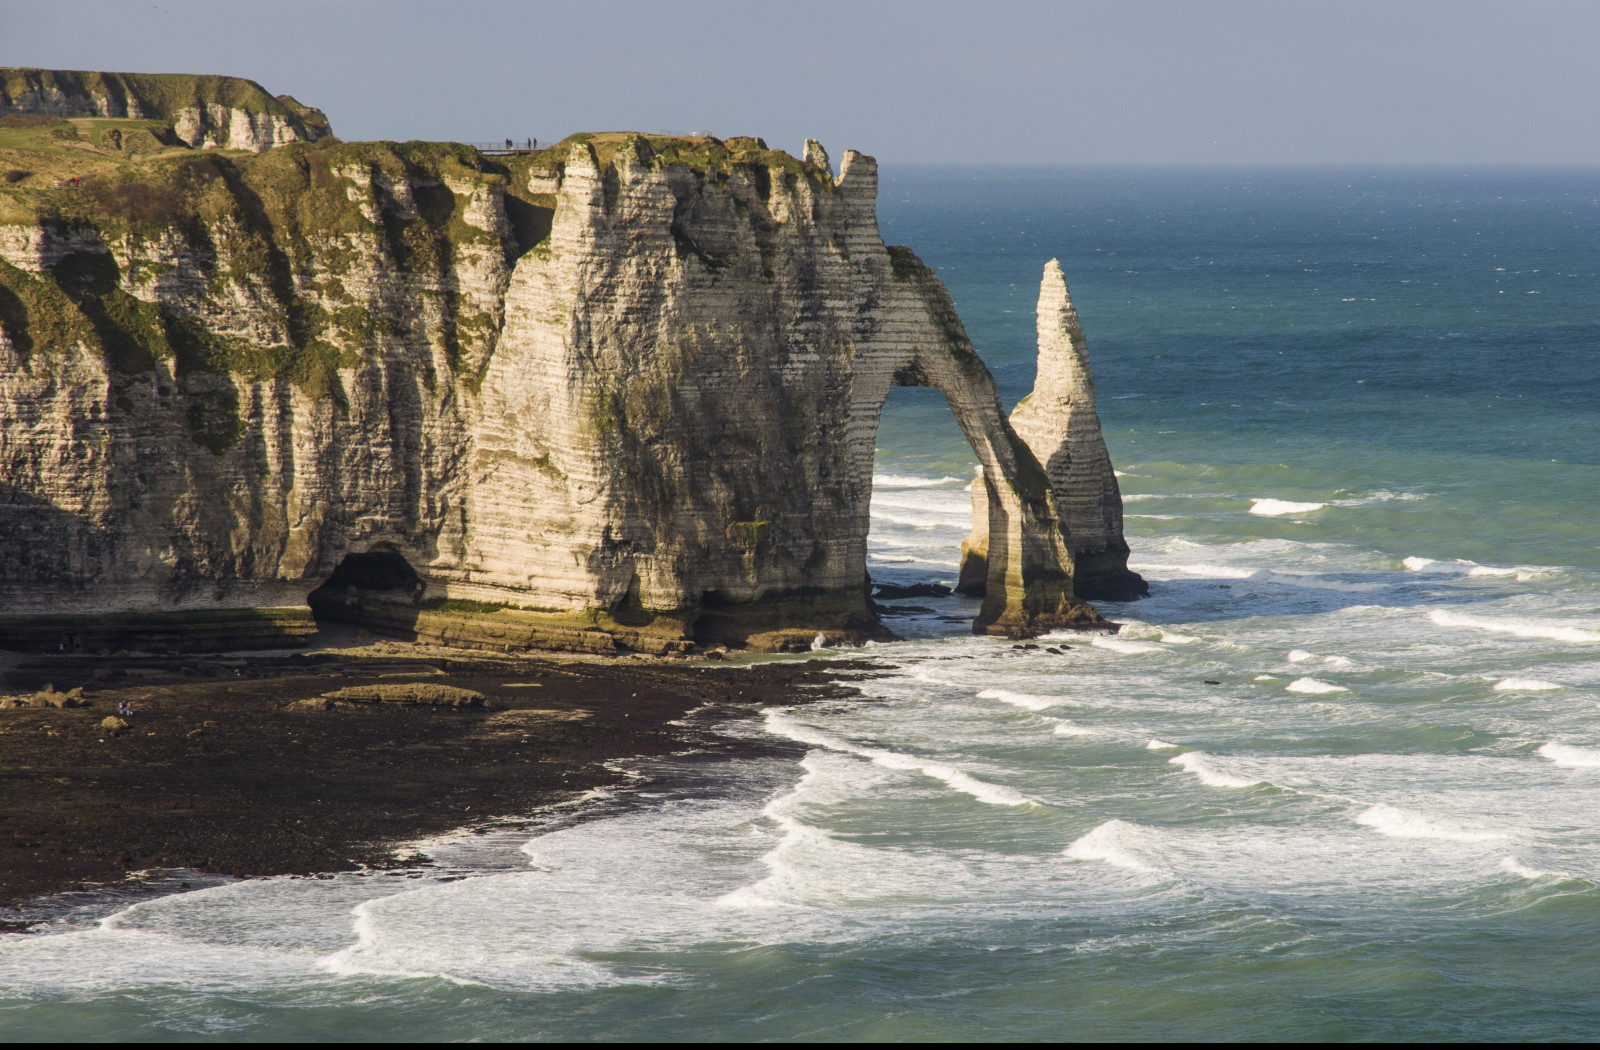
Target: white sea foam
column 1338, row 661
column 1521, row 628
column 1299, row 655
column 1570, row 756
column 1160, row 745
column 781, row 724
column 1522, row 573
column 1065, row 728
column 1272, row 508
column 1516, row 867
column 1174, row 638
column 1525, row 685
column 1407, row 824
column 1316, row 582
column 1266, row 678
column 1195, row 762
column 1312, row 685
column 912, row 481
column 1124, row 645
column 1207, row 569
column 1027, row 700
column 1113, row 842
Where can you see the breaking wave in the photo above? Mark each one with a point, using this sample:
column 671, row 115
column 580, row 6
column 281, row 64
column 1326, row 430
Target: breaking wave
column 1114, row 843
column 1519, row 628
column 1272, row 508
column 1195, row 762
column 1313, row 685
column 1406, row 824
column 992, row 794
column 1570, row 756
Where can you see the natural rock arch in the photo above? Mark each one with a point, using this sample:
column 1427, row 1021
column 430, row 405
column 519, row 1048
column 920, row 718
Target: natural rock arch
column 652, row 427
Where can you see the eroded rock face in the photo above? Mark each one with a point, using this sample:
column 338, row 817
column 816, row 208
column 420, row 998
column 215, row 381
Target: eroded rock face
column 203, row 111
column 1059, row 422
column 654, row 424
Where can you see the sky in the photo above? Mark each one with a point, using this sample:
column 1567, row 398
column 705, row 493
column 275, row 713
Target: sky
column 1060, row 82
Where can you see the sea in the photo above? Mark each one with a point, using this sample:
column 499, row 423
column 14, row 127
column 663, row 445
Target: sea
column 1338, row 777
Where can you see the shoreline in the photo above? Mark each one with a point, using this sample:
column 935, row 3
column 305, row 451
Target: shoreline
column 243, row 764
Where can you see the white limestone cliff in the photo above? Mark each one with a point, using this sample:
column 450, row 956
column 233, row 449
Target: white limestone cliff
column 652, row 427
column 1059, row 422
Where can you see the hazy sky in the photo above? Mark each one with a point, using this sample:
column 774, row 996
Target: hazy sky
column 1234, row 81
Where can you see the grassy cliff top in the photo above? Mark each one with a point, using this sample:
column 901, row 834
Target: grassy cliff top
column 701, row 152
column 155, row 96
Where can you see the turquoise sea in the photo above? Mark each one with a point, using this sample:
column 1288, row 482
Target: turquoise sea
column 1337, row 778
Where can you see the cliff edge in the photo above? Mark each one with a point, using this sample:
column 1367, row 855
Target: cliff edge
column 620, row 393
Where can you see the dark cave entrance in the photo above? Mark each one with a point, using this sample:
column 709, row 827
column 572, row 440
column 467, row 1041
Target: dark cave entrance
column 374, row 576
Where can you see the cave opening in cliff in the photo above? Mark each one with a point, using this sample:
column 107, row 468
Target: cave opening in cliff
column 923, row 468
column 377, row 575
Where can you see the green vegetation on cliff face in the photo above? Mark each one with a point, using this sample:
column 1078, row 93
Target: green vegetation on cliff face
column 154, row 96
column 293, row 230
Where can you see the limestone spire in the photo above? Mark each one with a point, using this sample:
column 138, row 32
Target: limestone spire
column 815, row 154
column 1060, row 425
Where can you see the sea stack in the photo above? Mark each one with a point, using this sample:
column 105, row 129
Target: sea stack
column 1060, row 425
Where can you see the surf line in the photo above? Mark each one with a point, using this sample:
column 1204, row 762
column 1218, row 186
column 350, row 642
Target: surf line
column 780, row 724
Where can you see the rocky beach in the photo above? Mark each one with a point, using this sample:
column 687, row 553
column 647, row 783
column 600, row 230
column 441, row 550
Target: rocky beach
column 329, row 759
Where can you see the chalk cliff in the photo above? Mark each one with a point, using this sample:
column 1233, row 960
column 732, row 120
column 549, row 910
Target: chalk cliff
column 1059, row 423
column 198, row 111
column 623, row 392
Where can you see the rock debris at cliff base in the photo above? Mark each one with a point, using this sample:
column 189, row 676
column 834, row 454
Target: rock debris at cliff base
column 284, row 765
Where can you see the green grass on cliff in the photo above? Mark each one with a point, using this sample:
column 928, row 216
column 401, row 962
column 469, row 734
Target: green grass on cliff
column 158, row 96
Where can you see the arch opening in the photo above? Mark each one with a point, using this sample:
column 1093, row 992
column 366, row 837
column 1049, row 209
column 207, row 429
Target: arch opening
column 921, row 511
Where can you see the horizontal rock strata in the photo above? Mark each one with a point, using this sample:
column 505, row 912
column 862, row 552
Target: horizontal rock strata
column 1058, row 421
column 199, row 111
column 619, row 394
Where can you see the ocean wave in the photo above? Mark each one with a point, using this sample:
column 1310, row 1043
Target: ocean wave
column 1316, row 582
column 1195, row 762
column 1211, row 569
column 1024, row 700
column 1570, row 756
column 1299, row 656
column 1272, row 508
column 1123, row 645
column 1065, row 728
column 1312, row 685
column 1407, row 824
column 1525, row 685
column 1381, row 496
column 957, row 779
column 1522, row 573
column 1516, row 867
column 912, row 481
column 1462, row 566
column 1519, row 628
column 1114, row 843
column 1159, row 745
